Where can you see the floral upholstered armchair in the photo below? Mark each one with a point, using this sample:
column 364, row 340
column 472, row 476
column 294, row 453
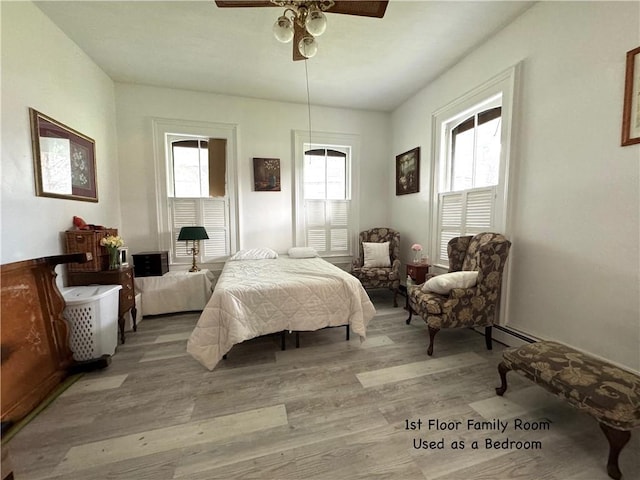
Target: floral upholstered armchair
column 473, row 304
column 383, row 272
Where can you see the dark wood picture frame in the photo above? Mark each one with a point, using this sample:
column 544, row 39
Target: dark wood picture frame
column 631, row 110
column 266, row 174
column 64, row 160
column 408, row 172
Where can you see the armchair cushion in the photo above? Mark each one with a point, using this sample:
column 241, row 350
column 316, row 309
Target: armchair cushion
column 443, row 284
column 379, row 267
column 376, row 254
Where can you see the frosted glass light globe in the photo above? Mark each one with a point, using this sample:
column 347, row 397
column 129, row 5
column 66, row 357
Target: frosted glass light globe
column 308, row 47
column 316, row 23
column 283, row 29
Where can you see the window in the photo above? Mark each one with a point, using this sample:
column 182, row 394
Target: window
column 195, row 200
column 472, row 157
column 190, row 168
column 475, row 150
column 324, row 206
column 196, row 187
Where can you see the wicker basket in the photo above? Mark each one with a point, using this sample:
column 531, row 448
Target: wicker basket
column 80, row 241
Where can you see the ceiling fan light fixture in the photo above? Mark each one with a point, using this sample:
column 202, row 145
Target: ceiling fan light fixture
column 308, row 46
column 283, row 29
column 316, row 22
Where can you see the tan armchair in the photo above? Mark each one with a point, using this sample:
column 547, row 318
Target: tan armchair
column 379, row 277
column 485, row 253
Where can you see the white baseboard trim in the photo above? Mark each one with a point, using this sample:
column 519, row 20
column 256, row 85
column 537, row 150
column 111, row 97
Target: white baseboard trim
column 508, row 337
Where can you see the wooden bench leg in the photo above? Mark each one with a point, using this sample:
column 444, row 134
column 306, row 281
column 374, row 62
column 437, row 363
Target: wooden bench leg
column 502, row 370
column 408, row 321
column 617, row 440
column 347, row 332
column 432, row 335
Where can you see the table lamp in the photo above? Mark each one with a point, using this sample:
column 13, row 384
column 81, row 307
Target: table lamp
column 195, row 234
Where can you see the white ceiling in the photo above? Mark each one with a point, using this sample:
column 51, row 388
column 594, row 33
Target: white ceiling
column 362, row 63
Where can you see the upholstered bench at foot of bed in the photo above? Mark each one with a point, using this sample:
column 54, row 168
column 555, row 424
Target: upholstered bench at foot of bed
column 609, row 394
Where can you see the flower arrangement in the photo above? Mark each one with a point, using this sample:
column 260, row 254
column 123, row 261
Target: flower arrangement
column 417, row 255
column 111, row 241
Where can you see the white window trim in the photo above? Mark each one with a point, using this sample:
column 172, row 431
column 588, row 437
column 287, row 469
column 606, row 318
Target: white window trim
column 163, row 127
column 327, row 139
column 505, row 84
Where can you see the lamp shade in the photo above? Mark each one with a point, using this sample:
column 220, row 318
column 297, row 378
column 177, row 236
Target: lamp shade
column 193, row 233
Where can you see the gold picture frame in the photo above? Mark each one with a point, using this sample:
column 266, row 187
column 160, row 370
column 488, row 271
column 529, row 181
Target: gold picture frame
column 631, row 110
column 64, row 160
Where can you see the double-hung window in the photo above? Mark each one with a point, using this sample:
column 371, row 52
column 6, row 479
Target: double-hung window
column 326, row 201
column 324, row 196
column 196, row 186
column 197, row 171
column 472, row 147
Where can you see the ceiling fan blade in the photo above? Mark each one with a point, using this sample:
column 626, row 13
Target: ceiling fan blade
column 298, row 34
column 244, row 3
column 361, row 8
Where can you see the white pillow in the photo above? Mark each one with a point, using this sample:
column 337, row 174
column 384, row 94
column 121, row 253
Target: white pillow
column 254, row 254
column 302, row 252
column 376, row 254
column 443, row 284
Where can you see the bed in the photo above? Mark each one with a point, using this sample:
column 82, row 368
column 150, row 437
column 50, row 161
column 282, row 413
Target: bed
column 259, row 297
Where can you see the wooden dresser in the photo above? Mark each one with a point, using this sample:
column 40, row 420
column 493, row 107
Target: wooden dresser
column 122, row 276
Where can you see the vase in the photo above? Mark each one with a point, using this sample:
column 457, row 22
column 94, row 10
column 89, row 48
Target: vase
column 114, row 259
column 417, row 257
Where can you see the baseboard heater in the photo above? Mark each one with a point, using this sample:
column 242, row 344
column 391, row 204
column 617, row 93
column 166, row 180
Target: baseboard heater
column 509, row 337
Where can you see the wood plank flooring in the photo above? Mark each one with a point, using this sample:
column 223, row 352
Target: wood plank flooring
column 331, row 409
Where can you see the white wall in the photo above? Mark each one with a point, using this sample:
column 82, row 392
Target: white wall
column 43, row 69
column 264, row 130
column 575, row 203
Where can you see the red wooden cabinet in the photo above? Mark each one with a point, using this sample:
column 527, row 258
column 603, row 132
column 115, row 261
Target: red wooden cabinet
column 417, row 272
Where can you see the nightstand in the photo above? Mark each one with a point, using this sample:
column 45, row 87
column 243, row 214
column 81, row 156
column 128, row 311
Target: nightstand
column 417, row 272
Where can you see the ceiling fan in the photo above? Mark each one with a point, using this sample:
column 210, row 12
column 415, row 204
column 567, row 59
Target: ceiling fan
column 304, row 20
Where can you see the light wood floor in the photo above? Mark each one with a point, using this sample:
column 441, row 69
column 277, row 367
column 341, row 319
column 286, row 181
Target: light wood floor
column 331, row 409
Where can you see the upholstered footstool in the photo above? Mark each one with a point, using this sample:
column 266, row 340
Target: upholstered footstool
column 606, row 392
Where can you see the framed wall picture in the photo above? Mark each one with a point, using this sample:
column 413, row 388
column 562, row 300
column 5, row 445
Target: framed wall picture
column 64, row 160
column 631, row 110
column 408, row 172
column 266, row 174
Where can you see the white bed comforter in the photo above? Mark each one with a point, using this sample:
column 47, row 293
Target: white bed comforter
column 257, row 297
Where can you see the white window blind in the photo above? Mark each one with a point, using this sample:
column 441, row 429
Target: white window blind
column 327, row 225
column 212, row 214
column 463, row 213
column 326, row 201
